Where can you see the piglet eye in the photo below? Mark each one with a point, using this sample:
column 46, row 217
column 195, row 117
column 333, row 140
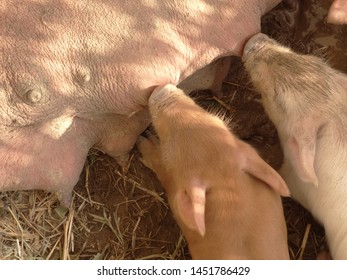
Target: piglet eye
column 33, row 96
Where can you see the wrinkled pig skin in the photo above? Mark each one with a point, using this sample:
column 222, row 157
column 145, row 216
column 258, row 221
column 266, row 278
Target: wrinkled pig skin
column 338, row 12
column 225, row 198
column 77, row 74
column 306, row 99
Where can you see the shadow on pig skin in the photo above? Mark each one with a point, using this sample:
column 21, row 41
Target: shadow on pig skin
column 124, row 197
column 78, row 74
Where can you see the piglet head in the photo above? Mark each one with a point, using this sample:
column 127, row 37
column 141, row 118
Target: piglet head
column 300, row 93
column 213, row 180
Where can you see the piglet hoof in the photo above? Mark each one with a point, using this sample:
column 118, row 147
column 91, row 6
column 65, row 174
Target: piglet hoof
column 149, row 149
column 65, row 198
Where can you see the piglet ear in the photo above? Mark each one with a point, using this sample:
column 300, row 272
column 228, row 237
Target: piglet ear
column 189, row 206
column 301, row 149
column 302, row 154
column 258, row 168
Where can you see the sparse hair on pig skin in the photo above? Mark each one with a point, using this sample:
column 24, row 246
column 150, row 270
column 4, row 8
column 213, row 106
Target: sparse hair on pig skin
column 306, row 99
column 225, row 198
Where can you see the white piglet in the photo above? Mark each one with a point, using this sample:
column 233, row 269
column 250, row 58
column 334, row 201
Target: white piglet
column 307, row 101
column 225, row 198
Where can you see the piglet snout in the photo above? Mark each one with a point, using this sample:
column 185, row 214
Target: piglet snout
column 160, row 93
column 254, row 44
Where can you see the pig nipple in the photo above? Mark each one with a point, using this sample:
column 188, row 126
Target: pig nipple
column 33, row 96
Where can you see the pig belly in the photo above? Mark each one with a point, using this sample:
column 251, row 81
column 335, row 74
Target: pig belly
column 77, row 74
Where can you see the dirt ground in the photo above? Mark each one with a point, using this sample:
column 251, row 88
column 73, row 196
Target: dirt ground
column 124, row 215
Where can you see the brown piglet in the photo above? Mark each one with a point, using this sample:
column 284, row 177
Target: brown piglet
column 225, row 198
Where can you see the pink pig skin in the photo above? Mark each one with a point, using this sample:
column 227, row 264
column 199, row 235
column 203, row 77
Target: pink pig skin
column 338, row 12
column 77, row 74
